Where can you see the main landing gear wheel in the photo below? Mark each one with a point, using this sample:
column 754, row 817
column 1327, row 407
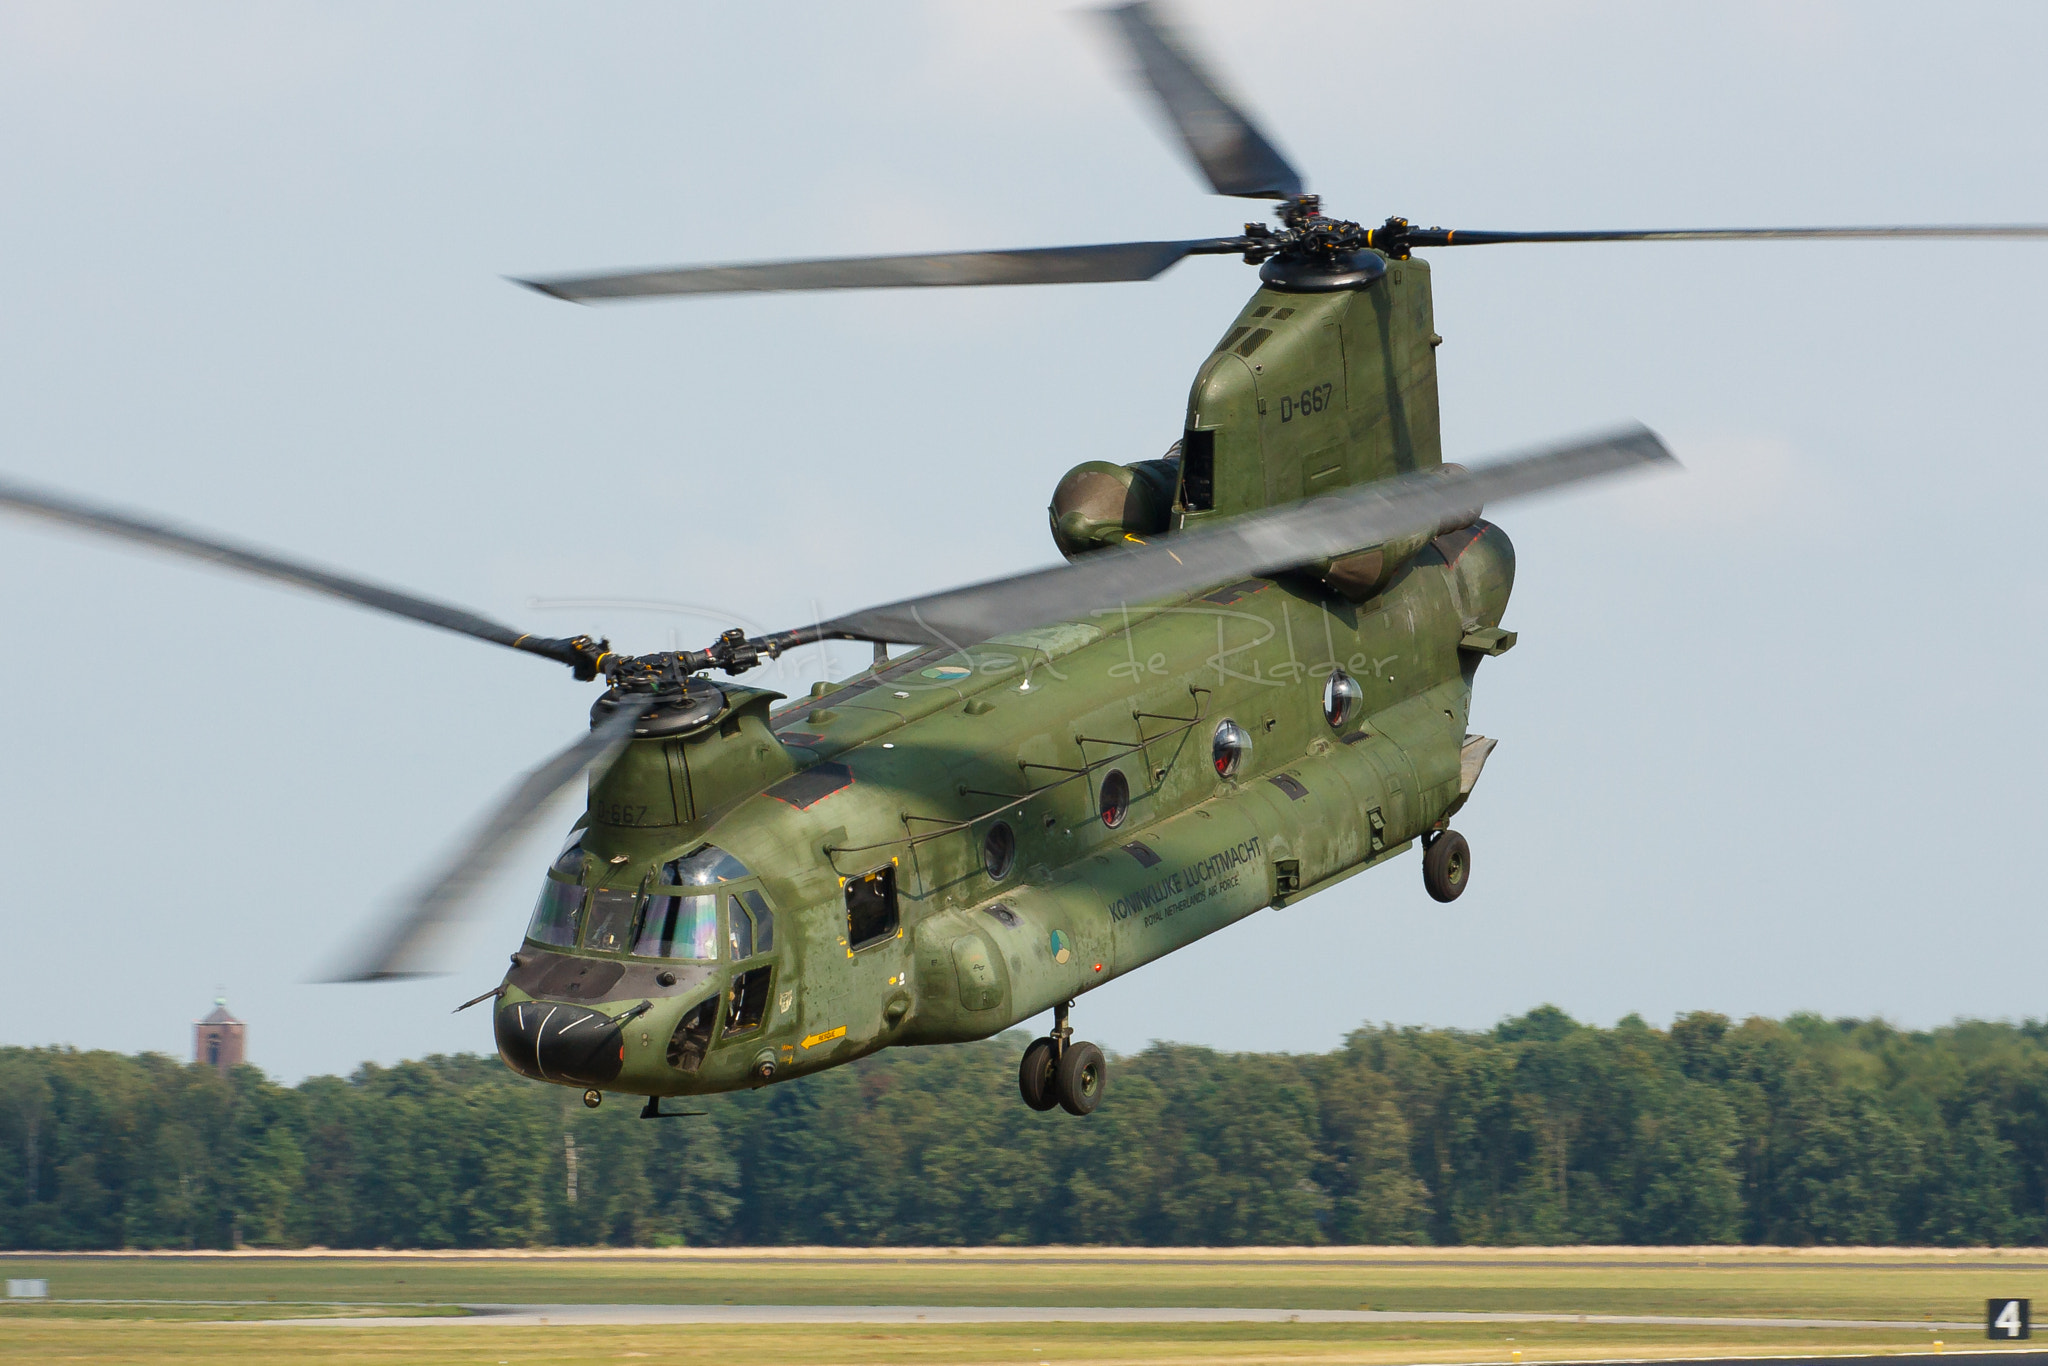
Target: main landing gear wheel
column 1055, row 1070
column 1446, row 865
column 1036, row 1073
column 1080, row 1078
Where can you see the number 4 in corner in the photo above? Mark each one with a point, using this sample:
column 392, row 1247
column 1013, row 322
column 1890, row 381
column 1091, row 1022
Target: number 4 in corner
column 2005, row 1320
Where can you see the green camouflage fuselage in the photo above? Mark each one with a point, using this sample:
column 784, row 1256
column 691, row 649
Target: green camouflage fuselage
column 892, row 782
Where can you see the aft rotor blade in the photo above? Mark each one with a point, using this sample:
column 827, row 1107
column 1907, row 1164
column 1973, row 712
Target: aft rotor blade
column 1026, row 266
column 409, row 945
column 1228, row 147
column 264, row 564
column 1462, row 237
column 1255, row 543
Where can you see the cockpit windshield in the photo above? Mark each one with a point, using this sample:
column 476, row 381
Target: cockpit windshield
column 686, row 926
column 708, row 865
column 611, row 920
column 667, row 921
column 569, row 863
column 678, row 927
column 556, row 914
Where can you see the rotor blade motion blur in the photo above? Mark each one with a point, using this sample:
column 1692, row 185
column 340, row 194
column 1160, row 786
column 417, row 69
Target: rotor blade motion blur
column 1253, row 543
column 1224, row 142
column 577, row 652
column 1462, row 237
column 1105, row 262
column 408, row 945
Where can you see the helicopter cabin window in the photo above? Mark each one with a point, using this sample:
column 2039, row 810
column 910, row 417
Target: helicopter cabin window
column 1341, row 698
column 674, row 926
column 1115, row 798
column 556, row 914
column 708, row 865
column 1230, row 748
column 746, row 1005
column 1198, row 471
column 611, row 920
column 999, row 851
column 871, row 908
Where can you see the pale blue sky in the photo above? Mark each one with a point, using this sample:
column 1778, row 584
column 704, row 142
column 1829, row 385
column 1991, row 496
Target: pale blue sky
column 1767, row 742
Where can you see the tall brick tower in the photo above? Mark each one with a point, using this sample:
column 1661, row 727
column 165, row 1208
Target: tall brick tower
column 219, row 1039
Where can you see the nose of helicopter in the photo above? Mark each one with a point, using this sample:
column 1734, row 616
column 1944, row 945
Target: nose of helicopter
column 552, row 1041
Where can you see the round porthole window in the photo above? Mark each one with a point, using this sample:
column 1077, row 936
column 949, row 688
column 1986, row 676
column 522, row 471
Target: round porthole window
column 1341, row 698
column 1116, row 798
column 999, row 851
column 1230, row 749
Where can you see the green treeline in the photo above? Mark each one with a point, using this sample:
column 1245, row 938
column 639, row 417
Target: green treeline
column 1541, row 1130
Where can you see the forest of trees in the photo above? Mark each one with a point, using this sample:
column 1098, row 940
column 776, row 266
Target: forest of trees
column 1541, row 1130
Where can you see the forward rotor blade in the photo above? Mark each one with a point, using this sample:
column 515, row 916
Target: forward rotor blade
column 1026, row 266
column 1461, row 237
column 263, row 564
column 1255, row 543
column 408, row 945
column 1220, row 136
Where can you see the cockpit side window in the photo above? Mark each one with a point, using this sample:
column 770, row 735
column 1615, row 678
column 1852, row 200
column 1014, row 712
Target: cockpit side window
column 739, row 931
column 764, row 922
column 708, row 865
column 747, row 1003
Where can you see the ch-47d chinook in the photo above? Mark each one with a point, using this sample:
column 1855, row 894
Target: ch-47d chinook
column 1250, row 681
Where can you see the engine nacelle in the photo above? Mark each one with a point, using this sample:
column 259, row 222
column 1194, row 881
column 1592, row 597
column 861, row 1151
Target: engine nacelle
column 1097, row 504
column 1364, row 574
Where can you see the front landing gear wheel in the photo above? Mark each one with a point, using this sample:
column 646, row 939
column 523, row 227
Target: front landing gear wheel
column 1080, row 1078
column 1035, row 1074
column 1447, row 866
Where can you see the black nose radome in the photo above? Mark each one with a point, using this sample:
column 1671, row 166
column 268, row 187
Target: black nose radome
column 549, row 1041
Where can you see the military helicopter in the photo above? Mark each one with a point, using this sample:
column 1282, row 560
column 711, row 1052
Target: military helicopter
column 1249, row 680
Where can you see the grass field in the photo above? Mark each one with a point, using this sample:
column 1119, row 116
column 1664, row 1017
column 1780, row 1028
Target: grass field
column 1908, row 1288
column 939, row 1345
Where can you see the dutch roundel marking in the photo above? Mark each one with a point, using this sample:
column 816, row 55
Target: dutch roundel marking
column 2005, row 1320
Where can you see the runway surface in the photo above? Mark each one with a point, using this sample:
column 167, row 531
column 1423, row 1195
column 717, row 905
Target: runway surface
column 626, row 1315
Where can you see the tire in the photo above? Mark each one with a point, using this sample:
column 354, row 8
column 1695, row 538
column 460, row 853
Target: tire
column 1081, row 1078
column 1447, row 866
column 1035, row 1075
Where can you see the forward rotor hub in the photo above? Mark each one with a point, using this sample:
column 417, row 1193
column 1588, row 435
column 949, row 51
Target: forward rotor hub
column 1311, row 253
column 1304, row 234
column 672, row 700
